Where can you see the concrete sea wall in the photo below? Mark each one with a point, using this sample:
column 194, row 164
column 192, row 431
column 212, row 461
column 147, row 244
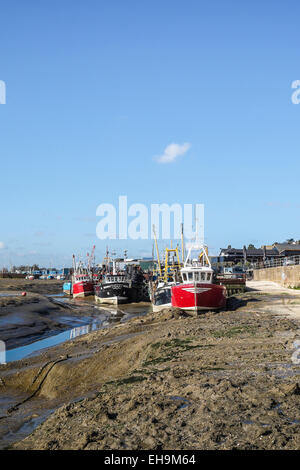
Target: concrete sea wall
column 287, row 276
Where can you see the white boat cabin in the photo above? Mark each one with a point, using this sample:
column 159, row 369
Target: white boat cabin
column 197, row 269
column 199, row 274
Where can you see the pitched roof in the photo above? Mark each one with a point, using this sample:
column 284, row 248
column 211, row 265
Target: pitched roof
column 287, row 247
column 249, row 252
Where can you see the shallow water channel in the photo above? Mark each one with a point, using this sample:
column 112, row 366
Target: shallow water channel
column 93, row 318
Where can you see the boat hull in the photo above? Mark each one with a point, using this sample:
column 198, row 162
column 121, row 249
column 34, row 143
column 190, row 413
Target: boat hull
column 162, row 298
column 199, row 296
column 83, row 289
column 112, row 293
column 158, row 308
column 111, row 300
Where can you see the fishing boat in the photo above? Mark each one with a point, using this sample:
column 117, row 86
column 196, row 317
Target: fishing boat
column 82, row 285
column 197, row 291
column 125, row 283
column 167, row 277
column 67, row 288
column 113, row 289
column 82, row 280
column 161, row 296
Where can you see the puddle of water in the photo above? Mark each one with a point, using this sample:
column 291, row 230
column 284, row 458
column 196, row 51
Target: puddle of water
column 182, row 399
column 56, row 295
column 248, row 421
column 9, row 295
column 59, row 299
column 26, row 428
column 283, row 369
column 283, row 415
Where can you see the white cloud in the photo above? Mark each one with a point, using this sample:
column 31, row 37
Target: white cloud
column 2, row 245
column 173, row 151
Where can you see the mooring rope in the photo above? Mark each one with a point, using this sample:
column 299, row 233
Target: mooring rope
column 15, row 407
column 40, row 371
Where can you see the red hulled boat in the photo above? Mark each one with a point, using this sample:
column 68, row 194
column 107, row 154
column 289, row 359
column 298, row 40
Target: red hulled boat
column 197, row 290
column 82, row 285
column 82, row 280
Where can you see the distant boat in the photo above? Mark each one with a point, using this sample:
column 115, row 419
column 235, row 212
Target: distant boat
column 82, row 281
column 82, row 285
column 67, row 288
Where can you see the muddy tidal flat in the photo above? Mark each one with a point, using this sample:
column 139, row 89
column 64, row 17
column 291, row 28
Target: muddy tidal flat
column 167, row 380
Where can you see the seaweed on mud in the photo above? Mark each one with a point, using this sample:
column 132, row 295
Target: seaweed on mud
column 151, row 371
column 127, row 380
column 183, row 344
column 176, row 342
column 234, row 331
column 180, row 345
column 159, row 360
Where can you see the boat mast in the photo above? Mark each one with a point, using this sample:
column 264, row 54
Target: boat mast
column 182, row 244
column 158, row 259
column 106, row 259
column 74, row 265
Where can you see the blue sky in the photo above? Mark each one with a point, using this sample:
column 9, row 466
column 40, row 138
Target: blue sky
column 97, row 89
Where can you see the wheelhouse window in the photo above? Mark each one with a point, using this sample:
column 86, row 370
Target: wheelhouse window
column 196, row 277
column 190, row 276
